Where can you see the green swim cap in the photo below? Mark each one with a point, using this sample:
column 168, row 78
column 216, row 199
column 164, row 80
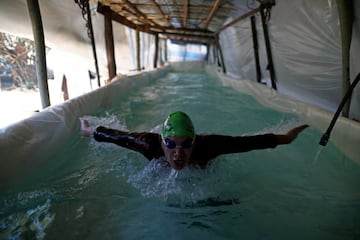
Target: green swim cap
column 178, row 124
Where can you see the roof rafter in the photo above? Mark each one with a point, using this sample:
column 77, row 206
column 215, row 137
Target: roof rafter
column 139, row 14
column 194, row 19
column 160, row 12
column 212, row 12
column 123, row 20
column 186, row 4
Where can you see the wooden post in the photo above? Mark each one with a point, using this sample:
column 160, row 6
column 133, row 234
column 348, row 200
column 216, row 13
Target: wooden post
column 156, row 50
column 40, row 54
column 138, row 62
column 64, row 88
column 109, row 44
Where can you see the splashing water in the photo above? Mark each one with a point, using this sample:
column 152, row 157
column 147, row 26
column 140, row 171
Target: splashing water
column 317, row 155
column 157, row 180
column 31, row 224
column 316, row 158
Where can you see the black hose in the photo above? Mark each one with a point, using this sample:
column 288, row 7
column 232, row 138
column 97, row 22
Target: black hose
column 325, row 138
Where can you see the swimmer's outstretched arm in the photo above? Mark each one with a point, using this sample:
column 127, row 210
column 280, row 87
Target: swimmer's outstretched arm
column 103, row 134
column 291, row 135
column 146, row 143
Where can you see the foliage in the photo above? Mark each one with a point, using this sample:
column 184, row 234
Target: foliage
column 17, row 59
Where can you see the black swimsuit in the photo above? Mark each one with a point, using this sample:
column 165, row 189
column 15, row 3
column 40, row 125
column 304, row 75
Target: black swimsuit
column 206, row 147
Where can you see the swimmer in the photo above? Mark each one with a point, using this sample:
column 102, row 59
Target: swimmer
column 181, row 146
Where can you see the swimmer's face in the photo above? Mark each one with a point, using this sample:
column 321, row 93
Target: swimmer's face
column 177, row 150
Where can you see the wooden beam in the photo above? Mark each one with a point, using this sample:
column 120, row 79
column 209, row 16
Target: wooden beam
column 186, row 31
column 181, row 38
column 160, row 12
column 195, row 35
column 139, row 14
column 122, row 20
column 177, row 6
column 248, row 14
column 212, row 13
column 151, row 29
column 109, row 44
column 188, row 35
column 185, row 16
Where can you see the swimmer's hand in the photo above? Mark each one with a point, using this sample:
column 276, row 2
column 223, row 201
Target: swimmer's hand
column 290, row 135
column 86, row 129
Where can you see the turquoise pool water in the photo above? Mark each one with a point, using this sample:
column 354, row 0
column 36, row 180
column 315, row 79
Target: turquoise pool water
column 91, row 190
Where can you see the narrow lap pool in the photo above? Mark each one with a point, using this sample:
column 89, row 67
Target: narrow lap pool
column 91, row 190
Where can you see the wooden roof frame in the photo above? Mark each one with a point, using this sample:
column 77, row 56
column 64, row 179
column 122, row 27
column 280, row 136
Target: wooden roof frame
column 127, row 13
column 157, row 22
column 186, row 34
column 132, row 15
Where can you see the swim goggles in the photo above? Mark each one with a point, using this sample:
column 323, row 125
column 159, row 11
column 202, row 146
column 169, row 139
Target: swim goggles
column 170, row 144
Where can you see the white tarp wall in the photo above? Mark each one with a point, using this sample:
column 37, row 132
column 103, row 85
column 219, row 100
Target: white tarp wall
column 355, row 62
column 67, row 37
column 305, row 40
column 26, row 145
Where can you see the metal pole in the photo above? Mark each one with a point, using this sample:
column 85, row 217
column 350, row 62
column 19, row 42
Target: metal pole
column 220, row 53
column 268, row 50
column 156, row 50
column 138, row 62
column 325, row 138
column 40, row 53
column 85, row 10
column 91, row 35
column 256, row 49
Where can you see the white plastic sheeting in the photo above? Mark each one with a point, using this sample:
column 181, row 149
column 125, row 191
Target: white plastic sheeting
column 355, row 61
column 345, row 134
column 147, row 49
column 24, row 146
column 305, row 40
